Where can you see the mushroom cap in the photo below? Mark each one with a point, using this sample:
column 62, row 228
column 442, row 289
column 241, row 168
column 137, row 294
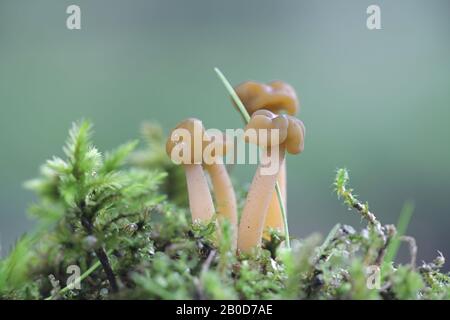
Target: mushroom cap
column 191, row 131
column 295, row 141
column 260, row 128
column 276, row 96
column 185, row 135
column 222, row 143
column 291, row 131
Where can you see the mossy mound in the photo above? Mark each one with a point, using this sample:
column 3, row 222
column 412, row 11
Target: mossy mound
column 121, row 220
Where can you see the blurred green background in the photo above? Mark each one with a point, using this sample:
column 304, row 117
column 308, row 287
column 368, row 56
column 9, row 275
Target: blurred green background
column 376, row 102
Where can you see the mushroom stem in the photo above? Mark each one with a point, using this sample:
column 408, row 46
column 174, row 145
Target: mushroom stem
column 256, row 206
column 200, row 200
column 274, row 219
column 224, row 195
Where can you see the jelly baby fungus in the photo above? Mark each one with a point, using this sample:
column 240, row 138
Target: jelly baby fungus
column 197, row 150
column 277, row 97
column 184, row 146
column 225, row 197
column 289, row 138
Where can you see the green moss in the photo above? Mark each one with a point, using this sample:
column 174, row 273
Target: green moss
column 122, row 219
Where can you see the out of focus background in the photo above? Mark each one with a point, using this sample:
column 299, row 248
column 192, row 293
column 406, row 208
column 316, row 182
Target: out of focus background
column 376, row 102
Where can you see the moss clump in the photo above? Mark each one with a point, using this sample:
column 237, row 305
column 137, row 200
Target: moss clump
column 121, row 219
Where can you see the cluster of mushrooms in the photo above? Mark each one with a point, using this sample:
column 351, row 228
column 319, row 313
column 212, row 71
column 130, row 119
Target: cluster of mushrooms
column 271, row 106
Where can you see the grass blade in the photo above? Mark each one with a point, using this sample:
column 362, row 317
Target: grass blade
column 402, row 225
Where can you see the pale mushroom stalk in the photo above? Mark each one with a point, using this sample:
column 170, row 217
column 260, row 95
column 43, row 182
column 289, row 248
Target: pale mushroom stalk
column 224, row 195
column 274, row 219
column 200, row 200
column 256, row 207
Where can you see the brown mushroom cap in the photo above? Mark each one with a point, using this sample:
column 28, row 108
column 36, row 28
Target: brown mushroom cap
column 276, row 96
column 291, row 130
column 194, row 137
column 220, row 143
column 295, row 141
column 198, row 140
column 268, row 121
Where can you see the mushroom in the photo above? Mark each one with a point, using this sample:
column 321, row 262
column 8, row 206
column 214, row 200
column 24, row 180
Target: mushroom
column 185, row 147
column 225, row 197
column 277, row 97
column 190, row 145
column 290, row 138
